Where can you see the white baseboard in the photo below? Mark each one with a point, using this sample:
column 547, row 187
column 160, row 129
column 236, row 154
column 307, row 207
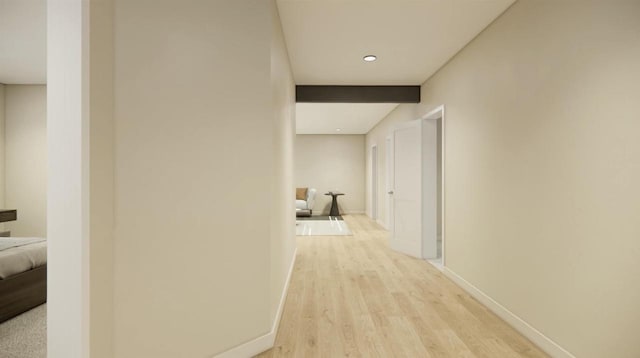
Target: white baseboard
column 384, row 225
column 262, row 343
column 543, row 342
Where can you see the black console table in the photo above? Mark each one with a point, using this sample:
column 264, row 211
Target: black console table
column 334, row 203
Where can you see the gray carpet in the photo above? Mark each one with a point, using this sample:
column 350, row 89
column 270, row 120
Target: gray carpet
column 25, row 336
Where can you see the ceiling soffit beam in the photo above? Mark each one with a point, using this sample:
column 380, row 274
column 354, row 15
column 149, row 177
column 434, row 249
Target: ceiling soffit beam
column 358, row 94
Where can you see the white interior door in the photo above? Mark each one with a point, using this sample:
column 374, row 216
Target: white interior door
column 406, row 235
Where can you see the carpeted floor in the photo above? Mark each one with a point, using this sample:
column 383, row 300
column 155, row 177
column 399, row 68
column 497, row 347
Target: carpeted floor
column 25, row 336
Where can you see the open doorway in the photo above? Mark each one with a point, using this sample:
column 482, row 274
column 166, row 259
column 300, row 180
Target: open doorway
column 23, row 178
column 416, row 192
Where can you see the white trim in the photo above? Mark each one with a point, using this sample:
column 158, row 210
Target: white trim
column 68, row 180
column 266, row 342
column 443, row 202
column 543, row 342
column 439, row 112
column 381, row 223
column 435, row 264
column 435, row 113
column 389, row 181
column 374, row 191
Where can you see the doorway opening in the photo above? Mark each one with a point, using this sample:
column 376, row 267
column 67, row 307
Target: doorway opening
column 24, row 176
column 416, row 187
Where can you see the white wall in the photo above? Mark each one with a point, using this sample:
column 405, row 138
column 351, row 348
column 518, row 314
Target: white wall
column 542, row 169
column 25, row 172
column 332, row 162
column 68, row 195
column 201, row 143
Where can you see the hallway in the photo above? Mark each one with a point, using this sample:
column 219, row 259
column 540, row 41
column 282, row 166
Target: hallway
column 353, row 296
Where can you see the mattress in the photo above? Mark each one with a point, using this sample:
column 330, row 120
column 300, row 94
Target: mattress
column 19, row 259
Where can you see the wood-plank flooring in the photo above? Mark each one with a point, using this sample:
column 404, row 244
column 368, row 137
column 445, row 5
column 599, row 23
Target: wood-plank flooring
column 351, row 296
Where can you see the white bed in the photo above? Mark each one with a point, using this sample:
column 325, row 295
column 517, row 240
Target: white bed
column 15, row 260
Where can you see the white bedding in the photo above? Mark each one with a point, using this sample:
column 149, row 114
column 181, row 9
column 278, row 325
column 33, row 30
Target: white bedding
column 23, row 258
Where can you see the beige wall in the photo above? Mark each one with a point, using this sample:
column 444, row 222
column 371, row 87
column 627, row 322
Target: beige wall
column 102, row 180
column 25, row 172
column 542, row 169
column 283, row 243
column 2, row 149
column 332, row 162
column 203, row 108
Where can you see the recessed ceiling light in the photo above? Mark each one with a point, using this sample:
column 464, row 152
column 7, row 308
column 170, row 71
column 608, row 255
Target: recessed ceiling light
column 369, row 58
column 338, row 129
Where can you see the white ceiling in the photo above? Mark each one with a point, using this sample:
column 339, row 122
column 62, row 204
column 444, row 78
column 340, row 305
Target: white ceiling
column 327, row 39
column 23, row 41
column 350, row 118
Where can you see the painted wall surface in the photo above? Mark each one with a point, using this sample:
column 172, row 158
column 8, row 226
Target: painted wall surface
column 102, row 180
column 542, row 169
column 283, row 242
column 332, row 162
column 2, row 149
column 25, row 172
column 203, row 108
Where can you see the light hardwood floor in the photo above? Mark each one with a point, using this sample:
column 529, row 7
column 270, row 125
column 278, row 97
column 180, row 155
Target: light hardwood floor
column 351, row 296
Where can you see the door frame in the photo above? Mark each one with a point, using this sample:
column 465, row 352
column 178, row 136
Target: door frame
column 389, row 181
column 435, row 114
column 373, row 160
